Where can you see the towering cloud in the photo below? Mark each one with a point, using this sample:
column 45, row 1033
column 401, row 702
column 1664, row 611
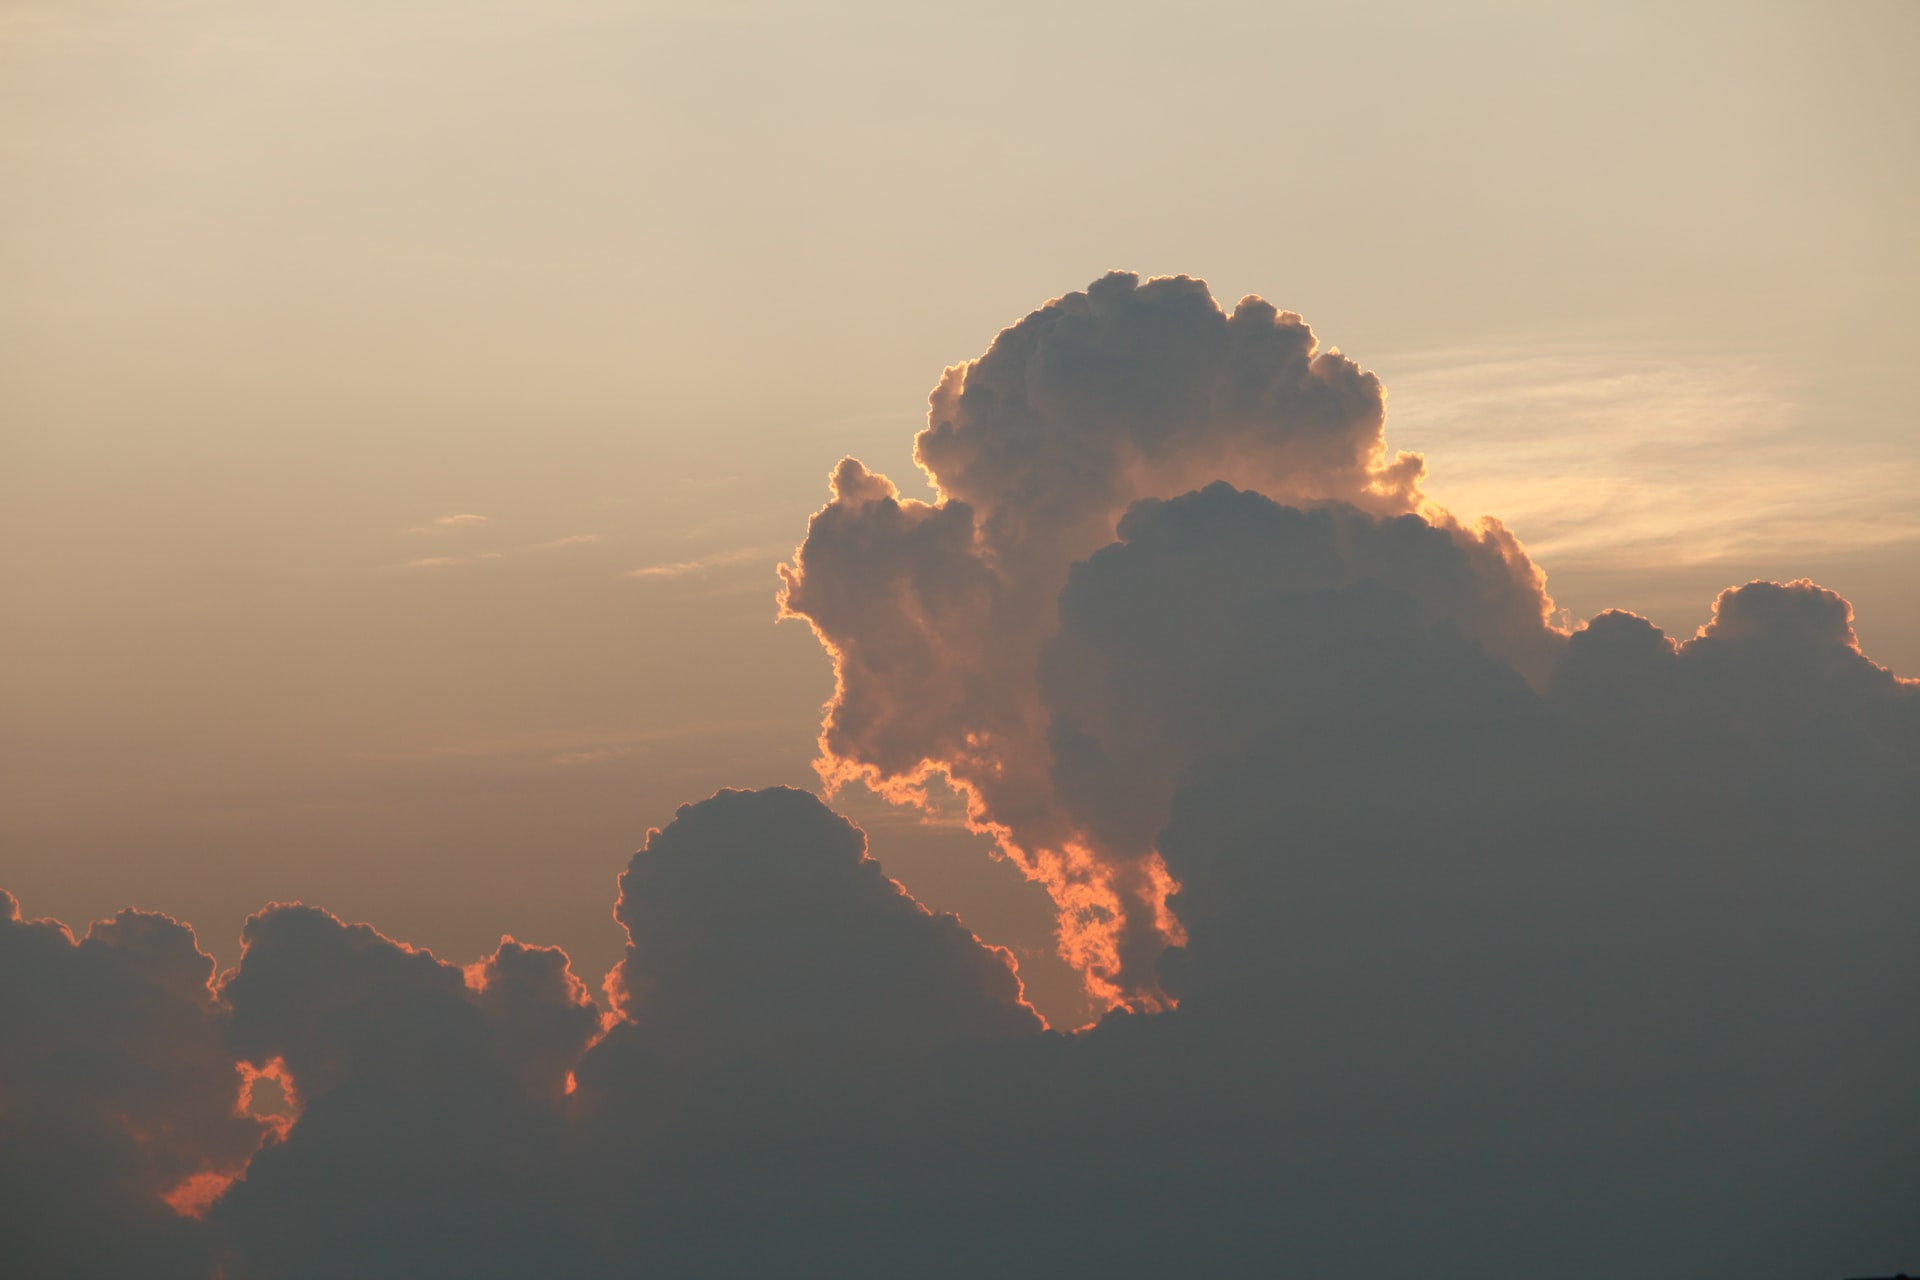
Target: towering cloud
column 937, row 615
column 1444, row 941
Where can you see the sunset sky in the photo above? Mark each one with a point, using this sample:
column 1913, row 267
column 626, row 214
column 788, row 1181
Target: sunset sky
column 405, row 407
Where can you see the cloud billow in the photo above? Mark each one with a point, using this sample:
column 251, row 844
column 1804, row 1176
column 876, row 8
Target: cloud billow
column 1438, row 938
column 117, row 1097
column 937, row 614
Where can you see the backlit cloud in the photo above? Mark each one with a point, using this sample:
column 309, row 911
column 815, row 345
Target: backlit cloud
column 118, row 1115
column 1439, row 938
column 936, row 614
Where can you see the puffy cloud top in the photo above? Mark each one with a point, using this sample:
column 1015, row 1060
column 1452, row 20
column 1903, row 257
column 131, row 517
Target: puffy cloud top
column 760, row 929
column 1133, row 390
column 1446, row 941
column 937, row 615
column 118, row 1097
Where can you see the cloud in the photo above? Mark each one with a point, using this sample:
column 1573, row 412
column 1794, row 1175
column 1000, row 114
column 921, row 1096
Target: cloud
column 571, row 540
column 1618, row 934
column 688, row 568
column 451, row 523
column 450, row 562
column 1438, row 938
column 118, row 1099
column 484, row 557
column 429, row 1130
column 1628, row 456
column 754, row 920
column 1168, row 651
column 679, row 569
column 936, row 614
column 439, row 1122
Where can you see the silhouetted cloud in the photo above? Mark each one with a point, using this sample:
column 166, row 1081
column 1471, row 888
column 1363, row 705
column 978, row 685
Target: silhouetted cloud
column 936, row 614
column 1561, row 963
column 118, row 1098
column 753, row 923
column 788, row 1014
column 429, row 1133
column 1440, row 939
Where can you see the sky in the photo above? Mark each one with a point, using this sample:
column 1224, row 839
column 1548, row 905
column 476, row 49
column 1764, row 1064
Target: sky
column 405, row 410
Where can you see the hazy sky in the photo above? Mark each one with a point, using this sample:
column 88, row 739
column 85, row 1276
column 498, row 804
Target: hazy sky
column 403, row 405
column 415, row 416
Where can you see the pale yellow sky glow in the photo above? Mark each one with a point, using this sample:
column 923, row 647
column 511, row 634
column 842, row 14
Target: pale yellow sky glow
column 1620, row 458
column 403, row 406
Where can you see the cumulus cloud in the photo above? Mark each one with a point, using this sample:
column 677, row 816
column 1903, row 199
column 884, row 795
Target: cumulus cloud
column 429, row 1129
column 754, row 921
column 788, row 1014
column 1636, row 937
column 119, row 1116
column 1221, row 613
column 1439, row 939
column 936, row 614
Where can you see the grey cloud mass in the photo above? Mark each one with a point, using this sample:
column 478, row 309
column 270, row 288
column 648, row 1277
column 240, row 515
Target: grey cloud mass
column 1437, row 939
column 936, row 614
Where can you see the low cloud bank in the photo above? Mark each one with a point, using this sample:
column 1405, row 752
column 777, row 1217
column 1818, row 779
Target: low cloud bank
column 1438, row 939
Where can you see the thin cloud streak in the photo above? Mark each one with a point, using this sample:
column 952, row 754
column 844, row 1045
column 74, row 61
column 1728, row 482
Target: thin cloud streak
column 719, row 560
column 450, row 562
column 1622, row 454
column 447, row 524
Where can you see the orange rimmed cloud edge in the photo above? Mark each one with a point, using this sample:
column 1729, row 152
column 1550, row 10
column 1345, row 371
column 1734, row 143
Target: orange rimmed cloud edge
column 1422, row 921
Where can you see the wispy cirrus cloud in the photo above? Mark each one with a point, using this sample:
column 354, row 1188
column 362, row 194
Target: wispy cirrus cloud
column 450, row 523
column 569, row 542
column 703, row 564
column 468, row 520
column 449, row 562
column 1629, row 453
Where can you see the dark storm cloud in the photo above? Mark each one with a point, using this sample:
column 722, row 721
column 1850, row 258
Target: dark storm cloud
column 1472, row 947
